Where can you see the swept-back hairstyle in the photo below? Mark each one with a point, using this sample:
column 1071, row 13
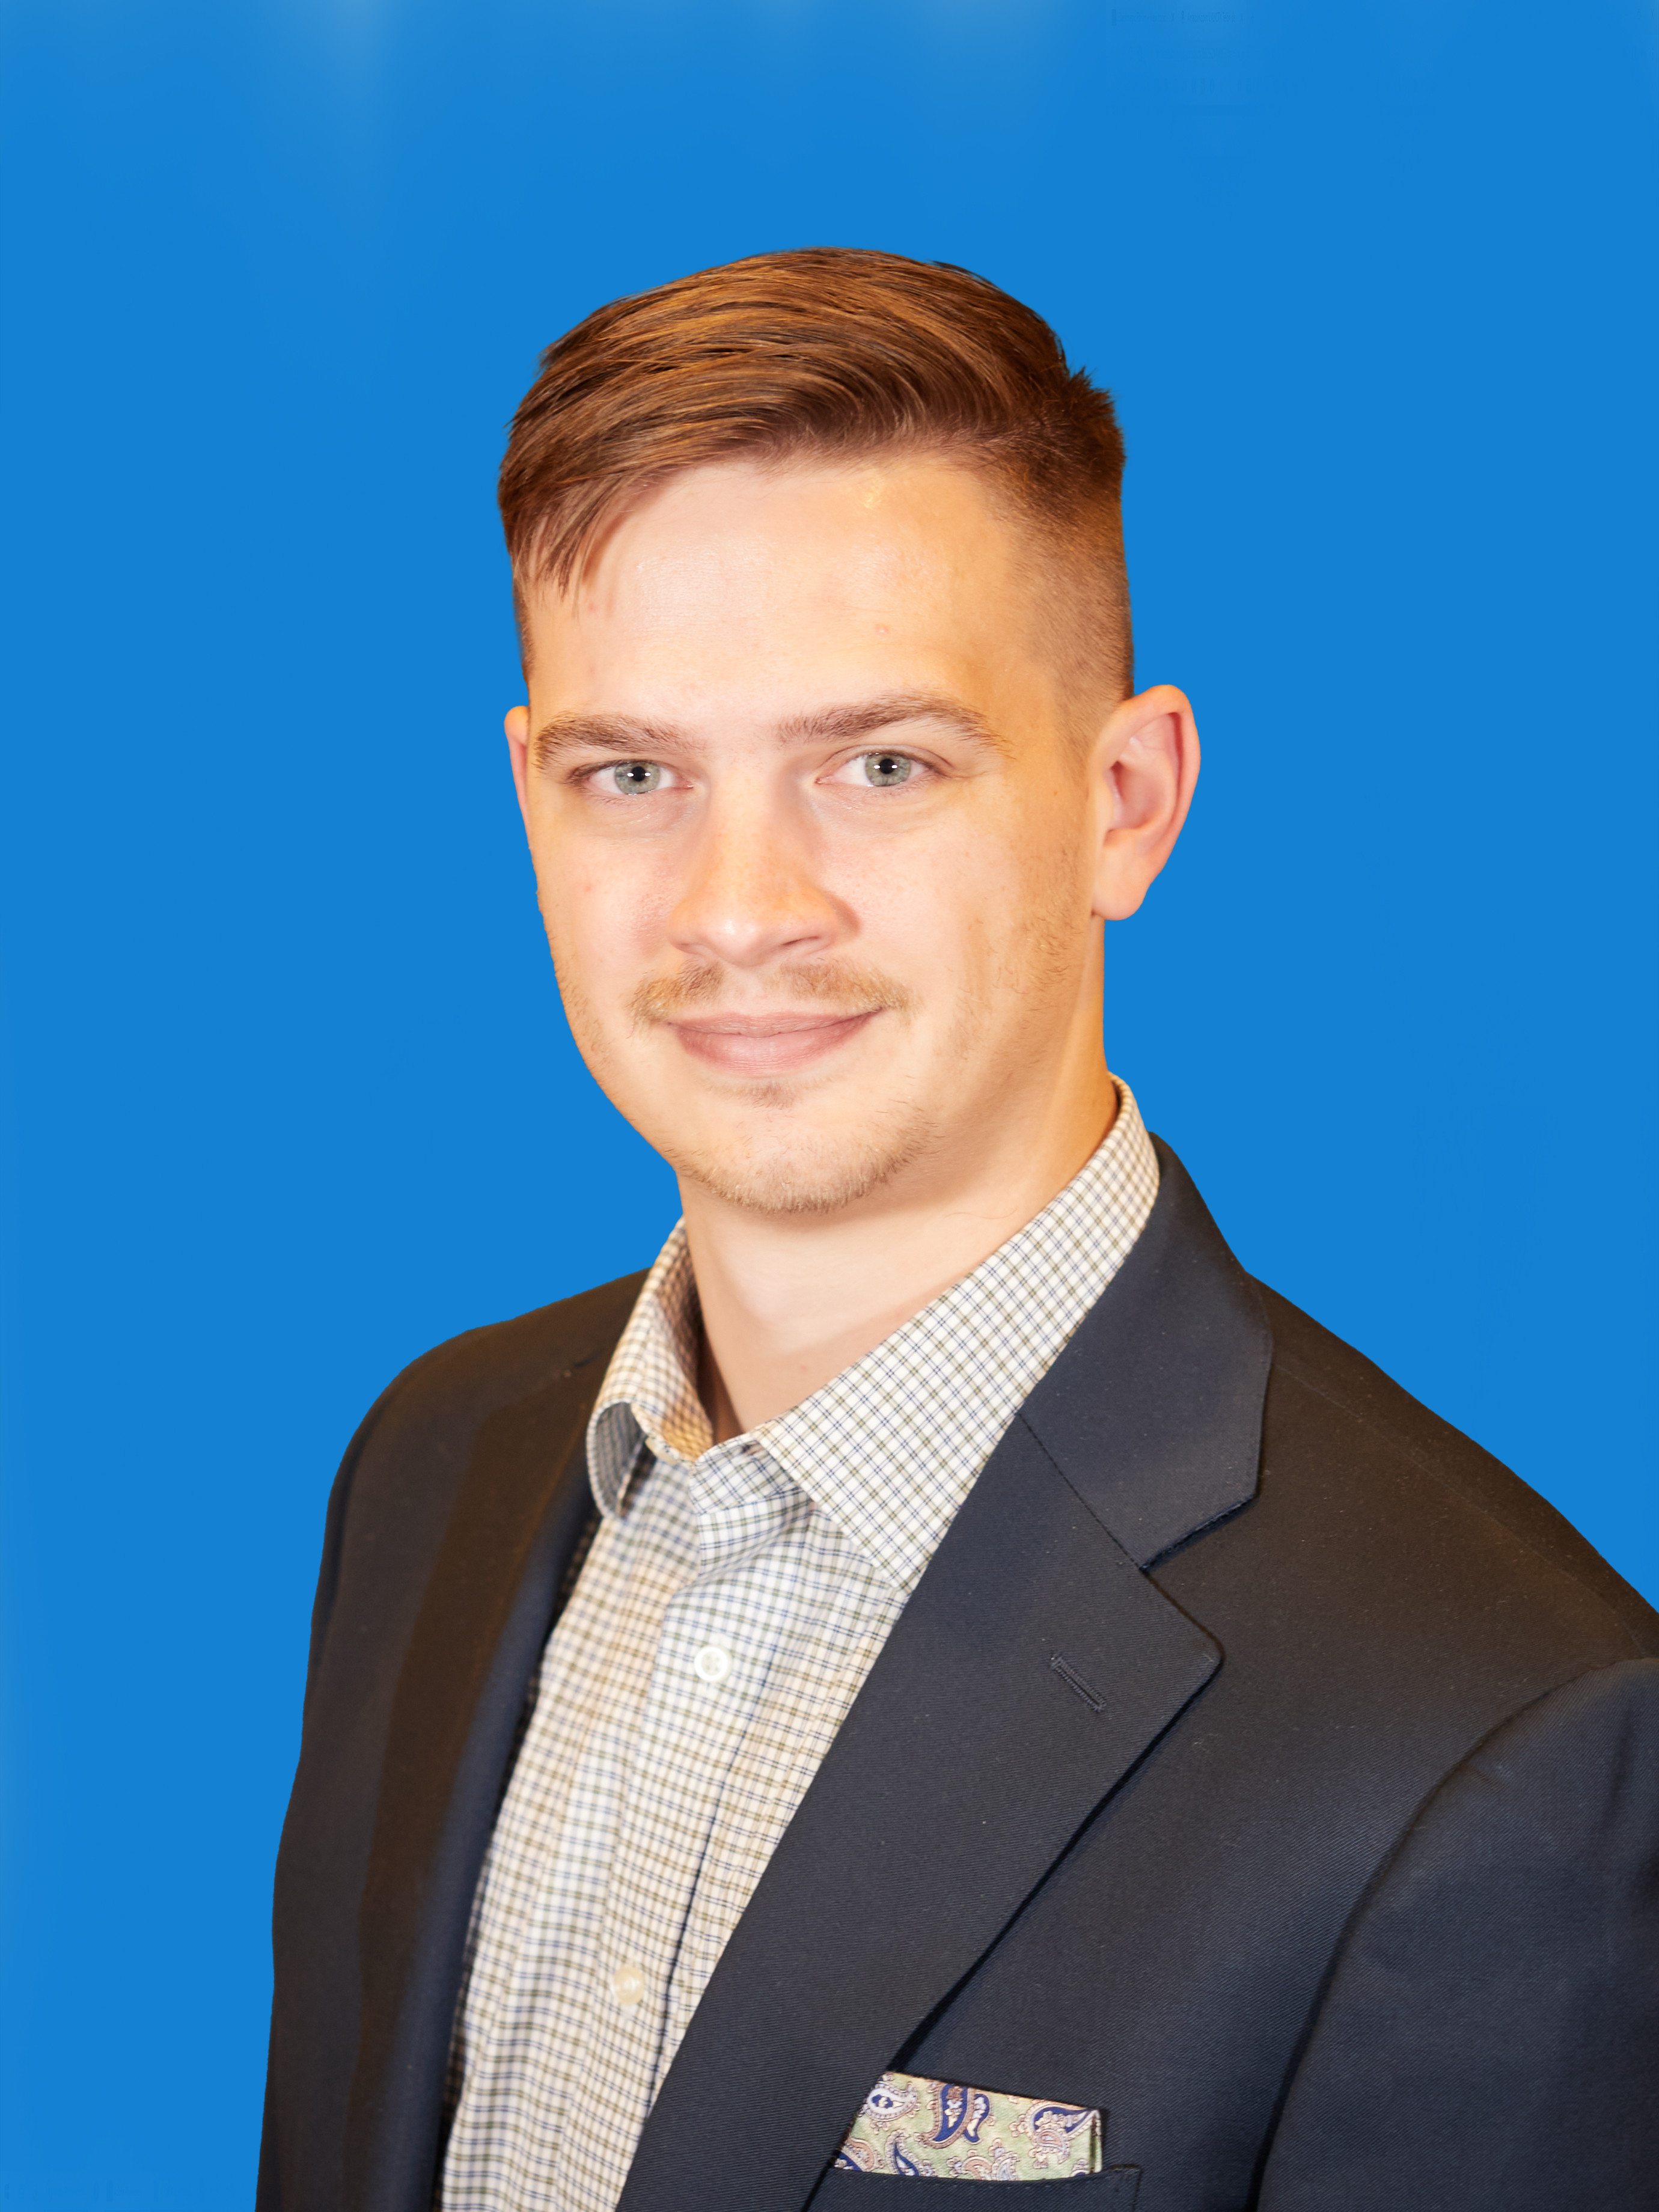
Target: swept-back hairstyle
column 826, row 352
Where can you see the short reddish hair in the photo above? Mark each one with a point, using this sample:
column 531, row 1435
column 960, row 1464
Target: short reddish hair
column 828, row 351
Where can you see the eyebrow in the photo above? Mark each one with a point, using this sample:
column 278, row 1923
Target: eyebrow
column 632, row 739
column 838, row 724
column 604, row 733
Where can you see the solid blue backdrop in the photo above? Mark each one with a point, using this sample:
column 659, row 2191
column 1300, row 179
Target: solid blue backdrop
column 289, row 1094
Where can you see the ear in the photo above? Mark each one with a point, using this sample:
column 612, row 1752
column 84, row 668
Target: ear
column 517, row 727
column 1146, row 761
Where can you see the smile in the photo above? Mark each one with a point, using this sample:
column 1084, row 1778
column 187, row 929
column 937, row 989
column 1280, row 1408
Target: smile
column 768, row 1044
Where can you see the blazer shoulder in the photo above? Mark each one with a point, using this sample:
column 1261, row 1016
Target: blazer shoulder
column 468, row 1377
column 418, row 1435
column 403, row 1469
column 1336, row 1376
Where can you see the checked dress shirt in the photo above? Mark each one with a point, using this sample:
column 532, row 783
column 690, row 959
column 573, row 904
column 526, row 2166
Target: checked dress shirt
column 735, row 1596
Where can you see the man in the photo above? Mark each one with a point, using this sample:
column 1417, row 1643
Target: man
column 946, row 1679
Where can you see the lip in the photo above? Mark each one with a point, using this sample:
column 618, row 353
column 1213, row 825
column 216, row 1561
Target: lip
column 768, row 1044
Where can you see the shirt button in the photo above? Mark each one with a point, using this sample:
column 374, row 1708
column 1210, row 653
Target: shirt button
column 713, row 1663
column 628, row 1985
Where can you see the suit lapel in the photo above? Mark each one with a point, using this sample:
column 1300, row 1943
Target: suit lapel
column 1032, row 1668
column 1154, row 1410
column 519, row 1515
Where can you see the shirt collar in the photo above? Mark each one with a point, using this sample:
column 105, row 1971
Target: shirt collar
column 891, row 1447
column 650, row 1399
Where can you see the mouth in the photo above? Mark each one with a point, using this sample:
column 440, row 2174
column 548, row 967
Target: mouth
column 768, row 1044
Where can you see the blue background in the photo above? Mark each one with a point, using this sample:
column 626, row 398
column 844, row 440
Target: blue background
column 288, row 1093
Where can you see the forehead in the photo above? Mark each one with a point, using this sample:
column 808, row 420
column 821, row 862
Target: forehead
column 765, row 582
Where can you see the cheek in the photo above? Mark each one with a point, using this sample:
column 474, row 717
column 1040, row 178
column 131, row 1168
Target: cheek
column 604, row 909
column 962, row 898
column 932, row 911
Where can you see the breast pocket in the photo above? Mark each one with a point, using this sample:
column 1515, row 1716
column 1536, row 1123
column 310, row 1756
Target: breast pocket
column 841, row 2190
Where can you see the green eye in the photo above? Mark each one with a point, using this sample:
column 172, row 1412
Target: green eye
column 635, row 778
column 887, row 767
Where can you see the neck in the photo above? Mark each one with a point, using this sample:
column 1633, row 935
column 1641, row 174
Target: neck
column 789, row 1301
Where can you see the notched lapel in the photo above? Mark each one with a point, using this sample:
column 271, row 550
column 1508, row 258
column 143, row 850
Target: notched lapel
column 1154, row 1410
column 968, row 1762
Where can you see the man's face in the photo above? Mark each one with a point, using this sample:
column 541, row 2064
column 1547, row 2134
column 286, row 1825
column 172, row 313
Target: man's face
column 816, row 841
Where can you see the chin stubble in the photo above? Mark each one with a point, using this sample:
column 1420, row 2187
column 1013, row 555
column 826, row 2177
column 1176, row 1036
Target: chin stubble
column 817, row 1177
column 789, row 1170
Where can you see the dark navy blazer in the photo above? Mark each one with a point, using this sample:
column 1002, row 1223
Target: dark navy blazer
column 1257, row 1760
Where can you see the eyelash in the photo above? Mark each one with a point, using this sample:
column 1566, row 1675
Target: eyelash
column 590, row 776
column 909, row 760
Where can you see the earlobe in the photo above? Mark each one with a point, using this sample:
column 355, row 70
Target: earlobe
column 1149, row 759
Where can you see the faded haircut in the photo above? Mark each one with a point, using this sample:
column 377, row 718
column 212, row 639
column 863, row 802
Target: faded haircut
column 828, row 353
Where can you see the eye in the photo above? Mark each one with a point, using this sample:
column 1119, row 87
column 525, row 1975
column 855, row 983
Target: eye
column 632, row 778
column 878, row 771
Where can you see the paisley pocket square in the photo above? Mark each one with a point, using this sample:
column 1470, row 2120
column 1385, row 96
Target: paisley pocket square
column 944, row 2131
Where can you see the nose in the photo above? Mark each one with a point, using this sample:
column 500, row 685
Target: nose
column 755, row 893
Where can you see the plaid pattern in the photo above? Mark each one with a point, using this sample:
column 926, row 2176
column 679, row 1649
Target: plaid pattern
column 735, row 1598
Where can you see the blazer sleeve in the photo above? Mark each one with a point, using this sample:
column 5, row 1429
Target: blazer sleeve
column 1488, row 2038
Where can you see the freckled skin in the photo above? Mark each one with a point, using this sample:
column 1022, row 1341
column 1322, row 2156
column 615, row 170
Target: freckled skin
column 861, row 1017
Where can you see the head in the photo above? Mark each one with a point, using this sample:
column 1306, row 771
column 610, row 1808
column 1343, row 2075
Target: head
column 832, row 767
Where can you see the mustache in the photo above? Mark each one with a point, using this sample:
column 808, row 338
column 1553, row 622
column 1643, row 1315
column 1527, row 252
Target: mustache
column 851, row 990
